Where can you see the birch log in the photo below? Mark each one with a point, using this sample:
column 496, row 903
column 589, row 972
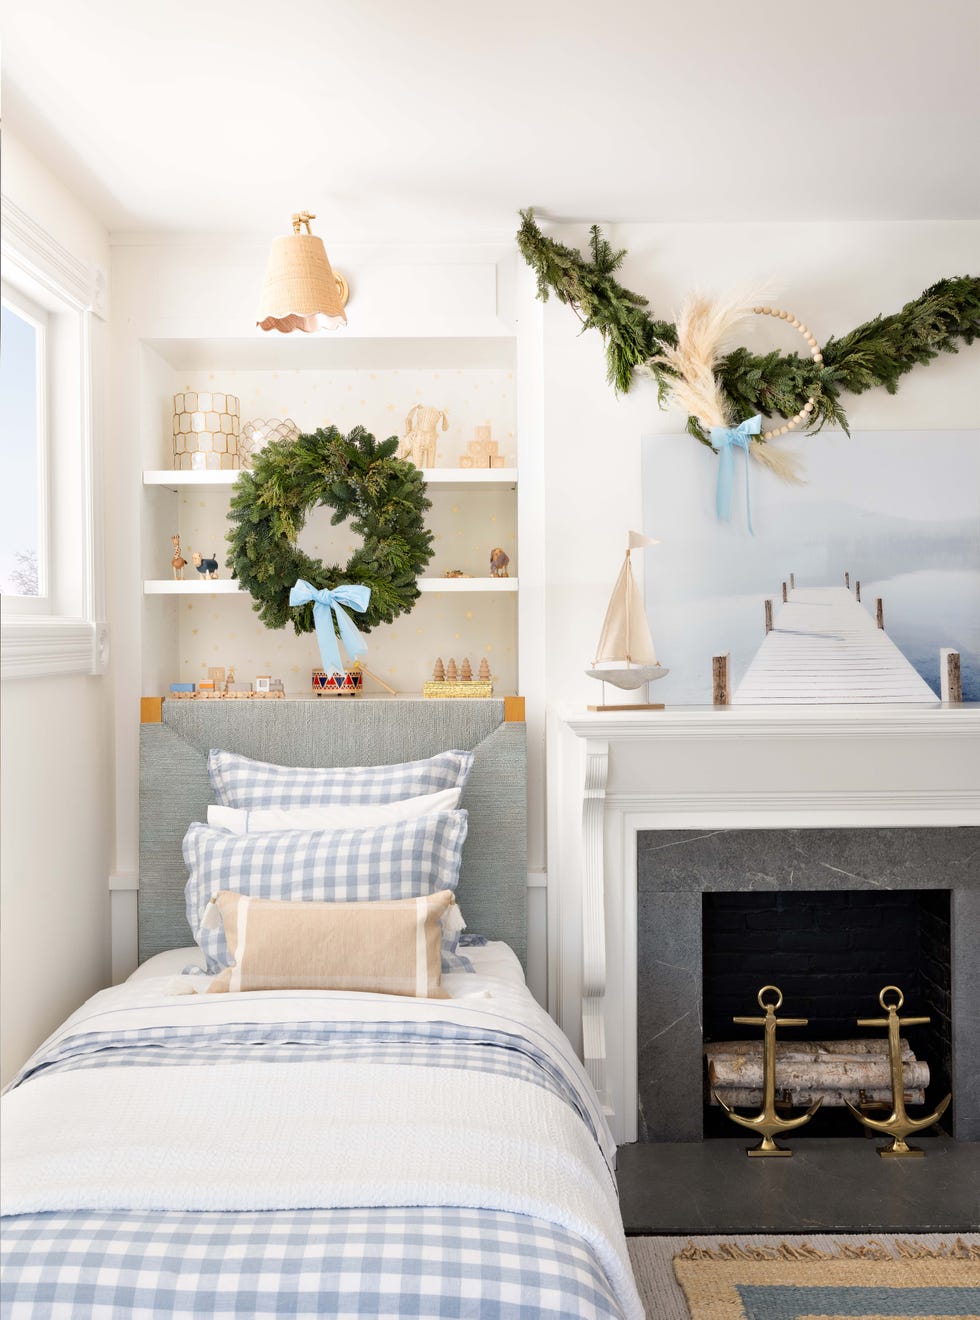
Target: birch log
column 807, row 1049
column 751, row 1098
column 832, row 1073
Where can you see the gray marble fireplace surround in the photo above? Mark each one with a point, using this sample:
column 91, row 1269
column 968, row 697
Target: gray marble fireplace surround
column 674, row 869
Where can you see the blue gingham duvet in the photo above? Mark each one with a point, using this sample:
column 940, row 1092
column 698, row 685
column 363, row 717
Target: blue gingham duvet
column 455, row 1258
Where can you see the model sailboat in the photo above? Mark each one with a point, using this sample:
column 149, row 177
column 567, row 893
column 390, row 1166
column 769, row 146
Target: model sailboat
column 625, row 656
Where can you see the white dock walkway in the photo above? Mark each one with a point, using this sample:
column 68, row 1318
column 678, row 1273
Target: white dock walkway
column 825, row 647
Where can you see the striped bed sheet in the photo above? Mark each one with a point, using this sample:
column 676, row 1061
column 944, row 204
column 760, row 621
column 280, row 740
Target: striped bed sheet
column 380, row 1261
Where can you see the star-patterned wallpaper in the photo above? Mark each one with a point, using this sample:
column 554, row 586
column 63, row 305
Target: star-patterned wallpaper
column 222, row 630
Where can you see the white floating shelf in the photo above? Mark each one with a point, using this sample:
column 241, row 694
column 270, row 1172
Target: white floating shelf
column 168, row 477
column 192, row 587
column 467, row 584
column 230, row 587
column 439, row 478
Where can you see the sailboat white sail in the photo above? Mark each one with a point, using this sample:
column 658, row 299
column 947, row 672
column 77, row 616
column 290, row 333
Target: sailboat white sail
column 625, row 655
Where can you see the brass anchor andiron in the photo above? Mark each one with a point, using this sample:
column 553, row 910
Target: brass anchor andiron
column 898, row 1125
column 767, row 1121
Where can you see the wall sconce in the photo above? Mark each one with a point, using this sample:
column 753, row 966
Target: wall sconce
column 301, row 291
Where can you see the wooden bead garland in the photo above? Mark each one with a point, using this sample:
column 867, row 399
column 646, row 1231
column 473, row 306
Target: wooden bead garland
column 804, row 414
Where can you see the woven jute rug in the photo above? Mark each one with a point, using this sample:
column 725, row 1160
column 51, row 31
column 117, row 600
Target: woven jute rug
column 816, row 1278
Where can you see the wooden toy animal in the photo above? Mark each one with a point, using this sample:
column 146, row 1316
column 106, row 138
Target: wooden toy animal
column 178, row 563
column 498, row 563
column 206, row 567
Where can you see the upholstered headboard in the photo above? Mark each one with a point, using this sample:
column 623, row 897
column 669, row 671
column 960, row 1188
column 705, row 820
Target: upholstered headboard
column 174, row 790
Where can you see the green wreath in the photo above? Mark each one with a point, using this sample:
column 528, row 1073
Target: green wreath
column 360, row 479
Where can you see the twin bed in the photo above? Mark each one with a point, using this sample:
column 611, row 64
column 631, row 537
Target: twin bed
column 316, row 1152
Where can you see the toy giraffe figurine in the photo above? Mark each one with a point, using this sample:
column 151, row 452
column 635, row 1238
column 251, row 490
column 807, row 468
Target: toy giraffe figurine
column 767, row 1121
column 178, row 563
column 897, row 1125
column 420, row 439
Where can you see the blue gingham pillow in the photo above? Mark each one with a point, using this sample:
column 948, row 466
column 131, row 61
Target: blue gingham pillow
column 239, row 781
column 406, row 859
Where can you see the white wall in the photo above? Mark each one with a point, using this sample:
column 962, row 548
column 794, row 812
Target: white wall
column 57, row 758
column 833, row 276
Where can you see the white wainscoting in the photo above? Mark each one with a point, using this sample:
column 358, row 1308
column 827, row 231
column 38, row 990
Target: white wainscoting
column 614, row 774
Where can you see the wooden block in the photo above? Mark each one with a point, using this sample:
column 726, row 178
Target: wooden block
column 514, row 710
column 151, row 710
column 720, row 693
column 475, row 448
column 468, row 688
column 466, row 461
column 950, row 676
column 498, row 461
column 482, row 434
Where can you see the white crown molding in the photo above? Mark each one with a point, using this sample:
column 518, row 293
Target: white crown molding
column 727, row 723
column 66, row 275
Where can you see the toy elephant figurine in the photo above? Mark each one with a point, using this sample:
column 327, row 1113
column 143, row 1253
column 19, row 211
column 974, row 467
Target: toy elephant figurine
column 419, row 442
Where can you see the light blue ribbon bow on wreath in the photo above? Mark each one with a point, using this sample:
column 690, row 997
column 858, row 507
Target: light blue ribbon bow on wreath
column 326, row 606
column 725, row 439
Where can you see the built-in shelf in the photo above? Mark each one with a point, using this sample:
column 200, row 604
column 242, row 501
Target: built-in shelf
column 449, row 479
column 351, row 350
column 230, row 586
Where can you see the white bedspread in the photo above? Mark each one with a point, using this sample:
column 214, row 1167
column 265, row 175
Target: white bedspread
column 313, row 1134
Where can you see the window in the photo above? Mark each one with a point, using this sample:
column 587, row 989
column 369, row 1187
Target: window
column 23, row 451
column 51, row 588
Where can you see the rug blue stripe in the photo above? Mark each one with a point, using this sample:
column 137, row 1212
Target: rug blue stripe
column 773, row 1302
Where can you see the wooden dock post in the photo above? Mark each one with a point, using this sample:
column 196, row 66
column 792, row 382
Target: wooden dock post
column 879, row 612
column 847, row 580
column 950, row 677
column 857, row 588
column 785, row 597
column 720, row 690
column 792, row 581
column 768, row 616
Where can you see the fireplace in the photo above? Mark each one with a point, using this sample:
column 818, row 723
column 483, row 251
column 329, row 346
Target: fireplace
column 653, row 809
column 829, row 915
column 830, row 951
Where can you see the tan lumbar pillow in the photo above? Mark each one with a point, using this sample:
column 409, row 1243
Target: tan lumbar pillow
column 389, row 947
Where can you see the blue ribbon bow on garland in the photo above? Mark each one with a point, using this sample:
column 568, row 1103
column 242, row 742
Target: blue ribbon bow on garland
column 326, row 606
column 725, row 439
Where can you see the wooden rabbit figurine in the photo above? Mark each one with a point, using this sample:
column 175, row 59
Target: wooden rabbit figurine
column 178, row 563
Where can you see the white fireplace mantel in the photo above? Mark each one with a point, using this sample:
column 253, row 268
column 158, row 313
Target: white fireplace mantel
column 613, row 774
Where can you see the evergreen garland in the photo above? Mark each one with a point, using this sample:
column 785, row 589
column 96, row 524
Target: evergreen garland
column 877, row 353
column 360, row 479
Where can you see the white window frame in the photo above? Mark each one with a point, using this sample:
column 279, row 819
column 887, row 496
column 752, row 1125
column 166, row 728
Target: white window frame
column 63, row 632
column 37, row 317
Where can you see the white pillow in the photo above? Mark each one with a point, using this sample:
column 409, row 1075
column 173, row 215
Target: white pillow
column 264, row 820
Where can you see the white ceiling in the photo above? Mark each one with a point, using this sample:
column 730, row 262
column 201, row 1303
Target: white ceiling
column 441, row 117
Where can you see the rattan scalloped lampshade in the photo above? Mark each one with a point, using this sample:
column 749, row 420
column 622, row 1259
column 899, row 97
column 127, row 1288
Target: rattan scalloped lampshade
column 301, row 291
